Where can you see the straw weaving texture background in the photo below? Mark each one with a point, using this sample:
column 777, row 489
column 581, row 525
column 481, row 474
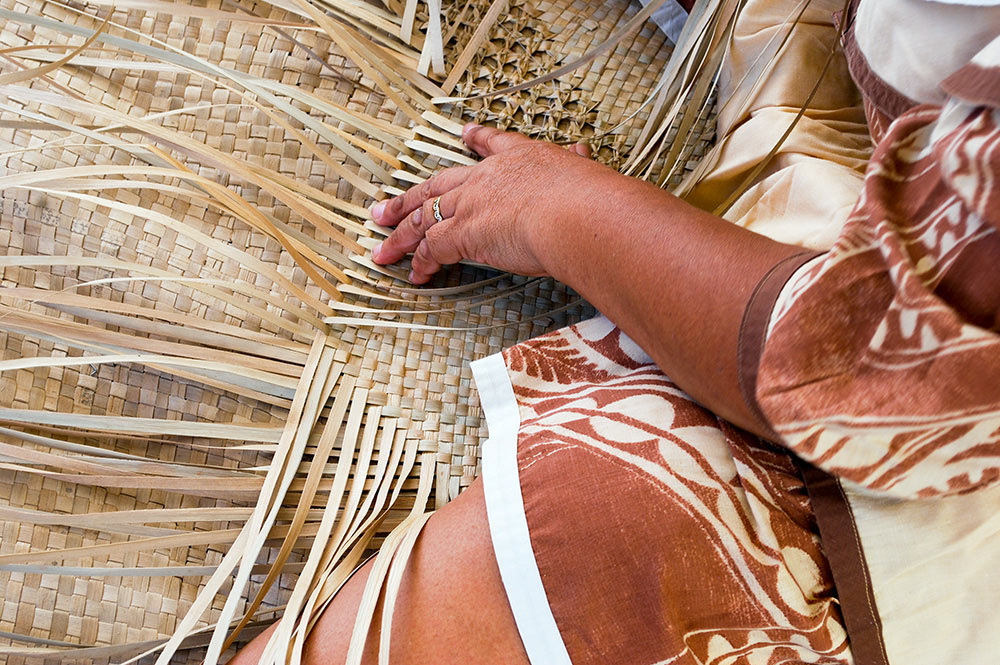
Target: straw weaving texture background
column 407, row 386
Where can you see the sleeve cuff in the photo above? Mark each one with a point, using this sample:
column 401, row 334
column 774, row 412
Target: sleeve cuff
column 753, row 329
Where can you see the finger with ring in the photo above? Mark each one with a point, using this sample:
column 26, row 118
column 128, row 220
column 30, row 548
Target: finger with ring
column 393, row 211
column 440, row 208
column 411, row 230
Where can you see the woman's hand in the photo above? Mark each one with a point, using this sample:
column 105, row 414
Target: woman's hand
column 493, row 212
column 675, row 279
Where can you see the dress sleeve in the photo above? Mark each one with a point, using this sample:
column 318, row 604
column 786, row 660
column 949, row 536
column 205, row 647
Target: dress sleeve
column 882, row 361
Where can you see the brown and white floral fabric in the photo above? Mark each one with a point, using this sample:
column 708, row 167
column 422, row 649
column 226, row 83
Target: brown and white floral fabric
column 633, row 526
column 661, row 534
column 883, row 369
column 883, row 365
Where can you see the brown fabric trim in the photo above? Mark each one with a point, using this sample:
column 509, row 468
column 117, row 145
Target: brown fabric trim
column 753, row 328
column 838, row 18
column 842, row 546
column 891, row 102
column 975, row 83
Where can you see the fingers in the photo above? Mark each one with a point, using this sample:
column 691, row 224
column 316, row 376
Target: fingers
column 434, row 251
column 413, row 229
column 392, row 211
column 489, row 141
column 581, row 149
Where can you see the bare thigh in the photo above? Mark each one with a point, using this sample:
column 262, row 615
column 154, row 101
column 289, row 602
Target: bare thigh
column 452, row 608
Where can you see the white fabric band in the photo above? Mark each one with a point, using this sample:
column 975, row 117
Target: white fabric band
column 507, row 522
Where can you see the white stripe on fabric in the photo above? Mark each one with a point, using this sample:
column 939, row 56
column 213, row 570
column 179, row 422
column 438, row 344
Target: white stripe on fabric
column 507, row 522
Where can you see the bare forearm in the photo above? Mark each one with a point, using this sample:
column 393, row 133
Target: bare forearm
column 676, row 279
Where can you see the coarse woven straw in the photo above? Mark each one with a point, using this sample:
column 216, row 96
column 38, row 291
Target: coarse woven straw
column 212, row 403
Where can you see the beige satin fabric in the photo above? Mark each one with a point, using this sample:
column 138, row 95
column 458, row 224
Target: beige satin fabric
column 804, row 195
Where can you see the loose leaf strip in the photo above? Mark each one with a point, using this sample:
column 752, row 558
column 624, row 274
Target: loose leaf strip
column 271, row 383
column 145, row 571
column 372, row 323
column 326, row 536
column 111, row 653
column 222, row 248
column 309, row 398
column 321, row 453
column 432, row 54
column 28, row 516
column 233, row 489
column 394, row 581
column 215, row 288
column 438, row 151
column 89, row 464
column 186, row 539
column 358, row 54
column 135, row 425
column 675, row 84
column 406, row 26
column 86, row 337
column 184, row 327
column 59, row 444
column 28, row 74
column 373, row 586
column 486, row 24
column 113, row 518
column 109, row 465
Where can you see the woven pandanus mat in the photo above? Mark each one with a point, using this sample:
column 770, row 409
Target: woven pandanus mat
column 212, row 404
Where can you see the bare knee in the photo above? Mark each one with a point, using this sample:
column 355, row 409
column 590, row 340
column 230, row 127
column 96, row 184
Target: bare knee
column 452, row 607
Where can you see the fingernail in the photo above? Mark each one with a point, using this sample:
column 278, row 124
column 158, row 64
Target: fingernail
column 376, row 250
column 469, row 127
column 410, row 277
column 378, row 209
column 418, row 215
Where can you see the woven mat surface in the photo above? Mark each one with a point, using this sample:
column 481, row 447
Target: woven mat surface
column 415, row 378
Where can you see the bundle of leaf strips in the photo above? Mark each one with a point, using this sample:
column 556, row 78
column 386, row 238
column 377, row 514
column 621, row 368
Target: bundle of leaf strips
column 214, row 406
